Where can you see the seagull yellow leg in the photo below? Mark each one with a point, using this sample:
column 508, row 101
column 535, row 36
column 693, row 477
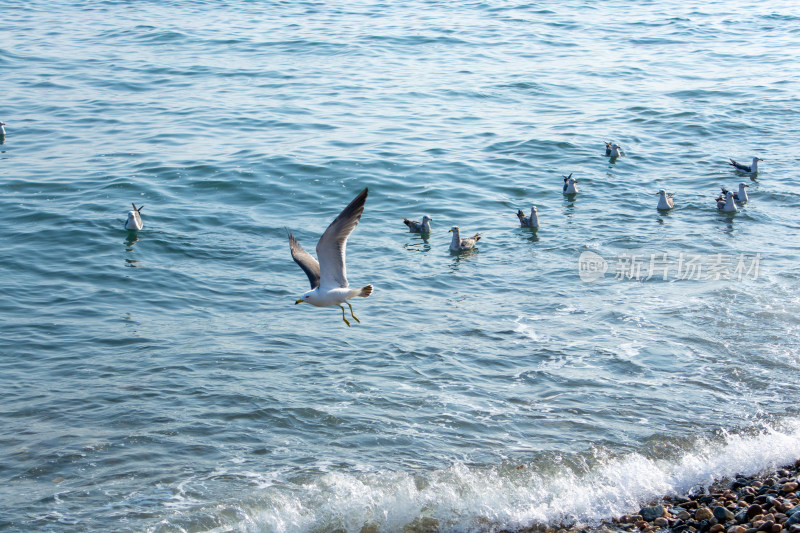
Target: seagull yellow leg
column 351, row 312
column 343, row 317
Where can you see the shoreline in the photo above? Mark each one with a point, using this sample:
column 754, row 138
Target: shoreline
column 762, row 503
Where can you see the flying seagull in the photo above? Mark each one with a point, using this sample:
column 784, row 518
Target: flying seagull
column 328, row 278
column 134, row 222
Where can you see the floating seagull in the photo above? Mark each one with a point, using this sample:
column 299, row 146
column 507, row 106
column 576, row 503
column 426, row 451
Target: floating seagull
column 419, row 227
column 608, row 148
column 528, row 222
column 727, row 205
column 328, row 278
column 566, row 180
column 665, row 201
column 458, row 244
column 569, row 185
column 615, row 151
column 752, row 169
column 741, row 196
column 134, row 221
column 2, row 129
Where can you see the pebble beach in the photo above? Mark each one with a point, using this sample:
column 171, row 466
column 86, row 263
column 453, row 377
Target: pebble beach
column 768, row 503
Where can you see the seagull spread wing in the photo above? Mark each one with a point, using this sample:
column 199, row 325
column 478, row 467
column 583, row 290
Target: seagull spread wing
column 305, row 260
column 331, row 246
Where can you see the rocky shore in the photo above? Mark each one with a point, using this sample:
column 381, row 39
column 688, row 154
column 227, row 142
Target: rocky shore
column 746, row 504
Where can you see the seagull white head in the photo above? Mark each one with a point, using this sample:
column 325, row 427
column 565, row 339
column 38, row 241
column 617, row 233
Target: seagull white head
column 306, row 297
column 426, row 218
column 615, row 150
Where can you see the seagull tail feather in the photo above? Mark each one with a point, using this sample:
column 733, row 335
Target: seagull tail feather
column 365, row 291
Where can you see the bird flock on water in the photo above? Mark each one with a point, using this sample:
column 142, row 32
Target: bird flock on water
column 327, row 274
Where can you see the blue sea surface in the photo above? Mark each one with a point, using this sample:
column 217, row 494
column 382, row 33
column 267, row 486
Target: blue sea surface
column 164, row 380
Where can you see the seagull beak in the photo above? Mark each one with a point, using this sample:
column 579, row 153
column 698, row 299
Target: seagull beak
column 299, row 301
column 449, row 231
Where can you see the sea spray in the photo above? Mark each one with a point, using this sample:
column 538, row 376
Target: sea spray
column 566, row 491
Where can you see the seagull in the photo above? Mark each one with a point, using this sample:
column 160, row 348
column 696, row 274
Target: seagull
column 608, row 148
column 566, row 180
column 328, row 278
column 528, row 222
column 419, row 227
column 615, row 151
column 458, row 244
column 741, row 196
column 2, row 129
column 665, row 201
column 752, row 169
column 727, row 205
column 569, row 185
column 134, row 222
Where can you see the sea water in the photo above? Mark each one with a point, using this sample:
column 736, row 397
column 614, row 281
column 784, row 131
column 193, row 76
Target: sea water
column 164, row 381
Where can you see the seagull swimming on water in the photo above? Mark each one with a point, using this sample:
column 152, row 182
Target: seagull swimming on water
column 569, row 184
column 328, row 277
column 457, row 244
column 752, row 169
column 419, row 227
column 727, row 204
column 741, row 196
column 134, row 222
column 665, row 200
column 528, row 222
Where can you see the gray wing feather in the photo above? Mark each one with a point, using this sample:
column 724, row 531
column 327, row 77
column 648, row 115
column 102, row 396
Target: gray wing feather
column 305, row 260
column 740, row 166
column 332, row 244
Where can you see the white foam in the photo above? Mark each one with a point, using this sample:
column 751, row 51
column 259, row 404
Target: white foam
column 465, row 498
